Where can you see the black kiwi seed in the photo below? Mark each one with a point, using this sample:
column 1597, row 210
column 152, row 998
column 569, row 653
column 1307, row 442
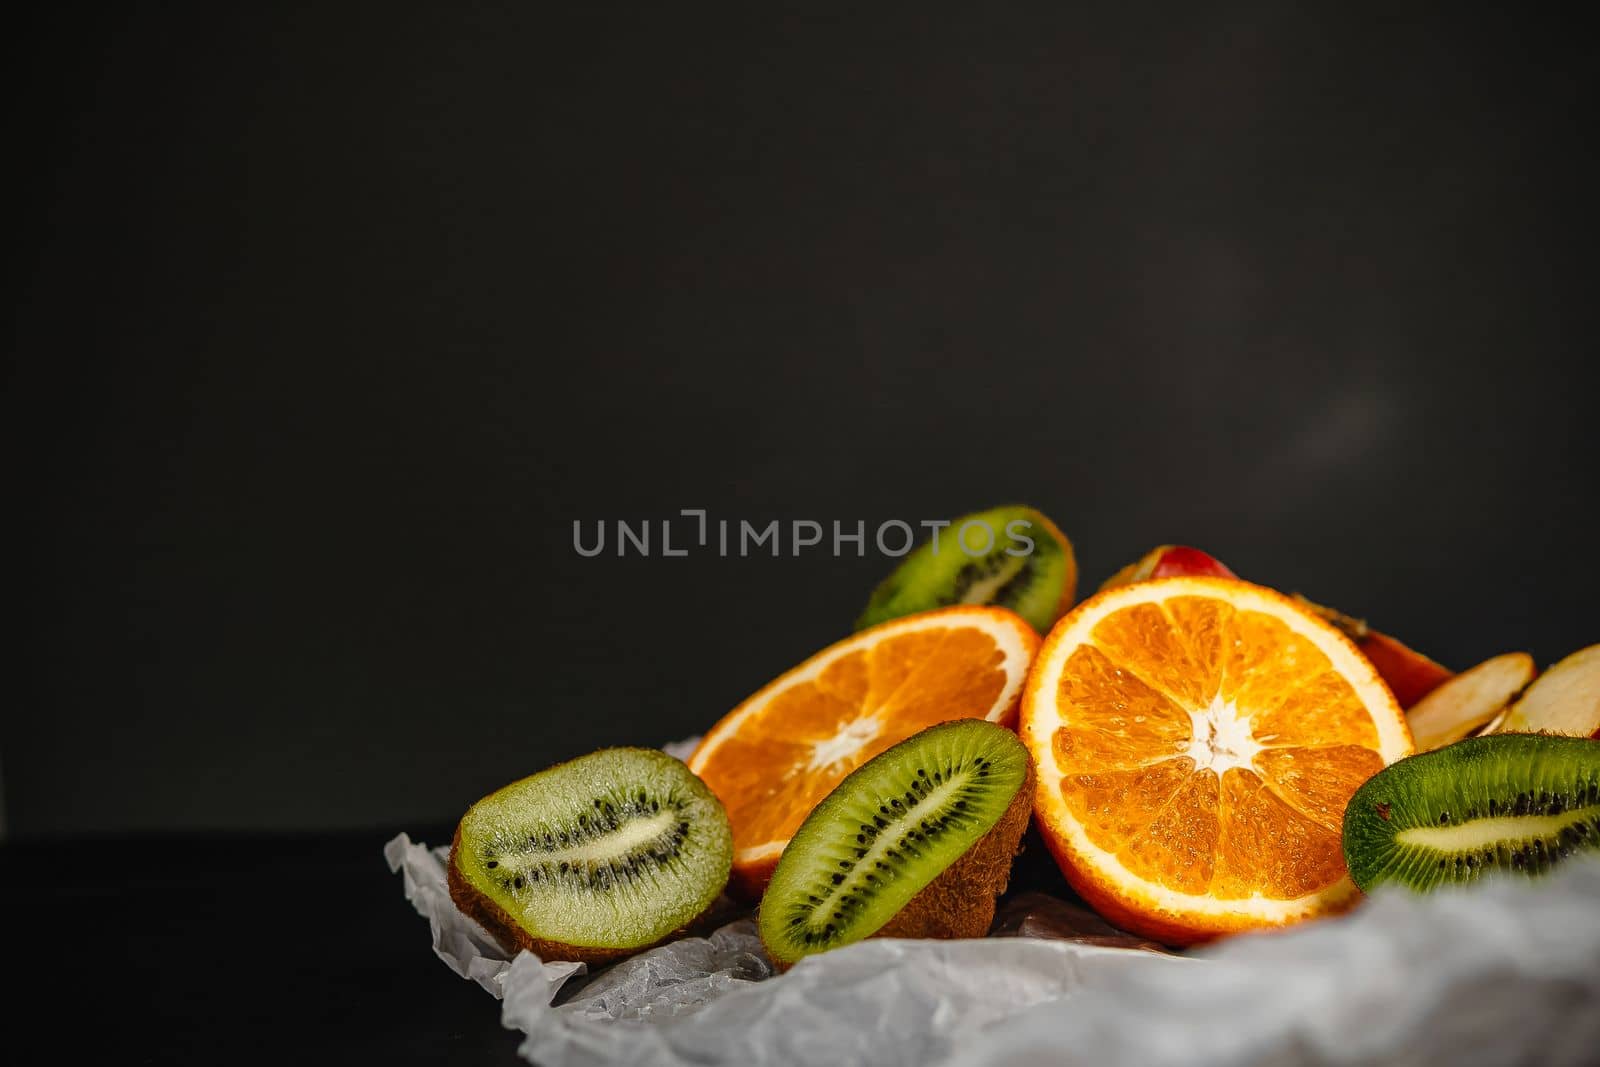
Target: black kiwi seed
column 1495, row 776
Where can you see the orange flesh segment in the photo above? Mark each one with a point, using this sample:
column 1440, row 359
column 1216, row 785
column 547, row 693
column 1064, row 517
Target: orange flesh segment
column 1324, row 707
column 1179, row 847
column 1269, row 822
column 1269, row 848
column 1113, row 806
column 1318, row 782
column 1119, row 721
column 860, row 704
column 1141, row 639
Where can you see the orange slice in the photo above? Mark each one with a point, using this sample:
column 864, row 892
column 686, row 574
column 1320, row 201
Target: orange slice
column 775, row 756
column 1197, row 740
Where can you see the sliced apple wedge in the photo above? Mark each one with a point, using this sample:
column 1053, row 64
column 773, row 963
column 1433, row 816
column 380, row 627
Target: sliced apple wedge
column 1462, row 706
column 1564, row 700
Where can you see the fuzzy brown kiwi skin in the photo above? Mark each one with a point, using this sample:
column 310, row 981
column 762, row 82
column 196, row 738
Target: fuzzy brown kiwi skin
column 961, row 901
column 510, row 935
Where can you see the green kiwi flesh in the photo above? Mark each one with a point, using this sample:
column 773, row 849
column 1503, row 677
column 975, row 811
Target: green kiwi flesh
column 983, row 558
column 1521, row 803
column 916, row 842
column 594, row 858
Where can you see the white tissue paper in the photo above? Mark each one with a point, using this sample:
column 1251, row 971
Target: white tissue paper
column 1506, row 971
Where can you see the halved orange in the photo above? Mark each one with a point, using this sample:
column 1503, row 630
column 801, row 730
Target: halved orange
column 1197, row 740
column 775, row 756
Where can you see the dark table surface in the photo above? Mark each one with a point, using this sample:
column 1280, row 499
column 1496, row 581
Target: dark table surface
column 240, row 949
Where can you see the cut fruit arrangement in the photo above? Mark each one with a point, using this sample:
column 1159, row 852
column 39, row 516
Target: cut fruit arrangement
column 1200, row 755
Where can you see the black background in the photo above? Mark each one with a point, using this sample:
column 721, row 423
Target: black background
column 332, row 320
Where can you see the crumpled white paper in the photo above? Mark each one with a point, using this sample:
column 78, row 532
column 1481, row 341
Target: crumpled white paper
column 1502, row 972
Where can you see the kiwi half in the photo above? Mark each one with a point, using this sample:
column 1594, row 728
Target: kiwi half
column 592, row 859
column 1508, row 802
column 916, row 842
column 1010, row 556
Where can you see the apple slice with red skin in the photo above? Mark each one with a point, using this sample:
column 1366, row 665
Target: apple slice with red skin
column 1409, row 674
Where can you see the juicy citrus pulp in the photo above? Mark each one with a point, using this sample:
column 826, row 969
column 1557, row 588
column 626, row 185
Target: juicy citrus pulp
column 776, row 755
column 1197, row 740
